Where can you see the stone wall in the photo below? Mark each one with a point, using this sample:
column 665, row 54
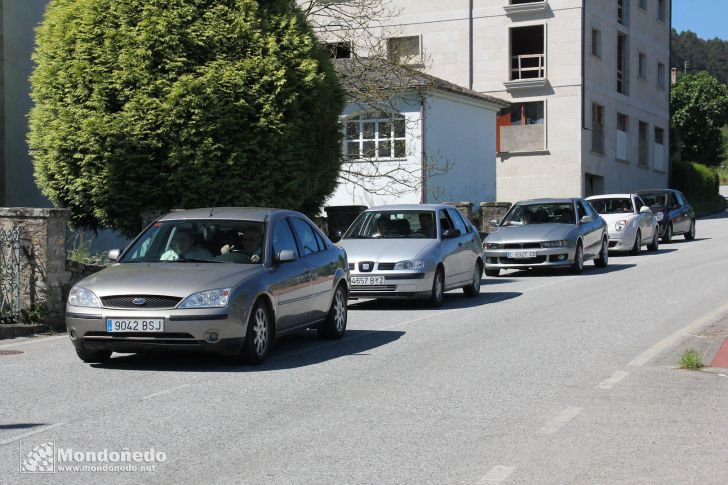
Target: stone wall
column 43, row 257
column 492, row 211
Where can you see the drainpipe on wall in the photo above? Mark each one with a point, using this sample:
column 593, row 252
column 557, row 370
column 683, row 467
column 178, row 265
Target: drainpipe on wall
column 583, row 66
column 423, row 152
column 470, row 45
column 669, row 109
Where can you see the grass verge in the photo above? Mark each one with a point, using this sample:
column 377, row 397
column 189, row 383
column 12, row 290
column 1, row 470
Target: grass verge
column 691, row 360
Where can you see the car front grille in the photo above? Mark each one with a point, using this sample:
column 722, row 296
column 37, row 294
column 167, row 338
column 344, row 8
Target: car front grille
column 536, row 260
column 150, row 301
column 386, row 266
column 522, row 246
column 373, row 288
column 175, row 338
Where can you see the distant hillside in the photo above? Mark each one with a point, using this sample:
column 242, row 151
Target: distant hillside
column 703, row 55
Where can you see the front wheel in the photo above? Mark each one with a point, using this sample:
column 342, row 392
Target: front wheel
column 258, row 337
column 690, row 235
column 637, row 247
column 93, row 356
column 438, row 289
column 577, row 267
column 334, row 327
column 603, row 259
column 668, row 234
column 655, row 244
column 473, row 289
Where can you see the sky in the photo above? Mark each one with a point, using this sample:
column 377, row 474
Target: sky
column 707, row 18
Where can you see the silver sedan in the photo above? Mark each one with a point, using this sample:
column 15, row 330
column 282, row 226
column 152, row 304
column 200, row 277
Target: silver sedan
column 416, row 250
column 547, row 233
column 223, row 280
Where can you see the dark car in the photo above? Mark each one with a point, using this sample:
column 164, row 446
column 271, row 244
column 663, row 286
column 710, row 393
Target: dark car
column 673, row 213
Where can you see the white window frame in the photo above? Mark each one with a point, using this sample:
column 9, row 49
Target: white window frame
column 377, row 119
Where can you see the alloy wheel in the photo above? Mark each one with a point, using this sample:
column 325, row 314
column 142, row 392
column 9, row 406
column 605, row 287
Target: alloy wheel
column 260, row 331
column 340, row 309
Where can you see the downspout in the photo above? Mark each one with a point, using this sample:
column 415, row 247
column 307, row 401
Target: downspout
column 423, row 151
column 470, row 45
column 583, row 65
column 668, row 80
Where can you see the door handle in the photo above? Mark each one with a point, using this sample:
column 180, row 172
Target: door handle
column 460, row 244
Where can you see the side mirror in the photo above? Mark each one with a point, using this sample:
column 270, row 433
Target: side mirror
column 645, row 210
column 337, row 237
column 494, row 222
column 286, row 256
column 587, row 219
column 451, row 233
column 114, row 255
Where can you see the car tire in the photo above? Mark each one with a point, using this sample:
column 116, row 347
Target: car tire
column 473, row 289
column 655, row 244
column 93, row 356
column 637, row 246
column 667, row 237
column 690, row 235
column 577, row 267
column 438, row 288
column 334, row 327
column 603, row 260
column 258, row 338
column 492, row 272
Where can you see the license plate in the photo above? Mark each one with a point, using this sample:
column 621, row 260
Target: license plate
column 367, row 280
column 135, row 325
column 521, row 254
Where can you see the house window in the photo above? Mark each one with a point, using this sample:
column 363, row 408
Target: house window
column 521, row 128
column 661, row 75
column 404, row 50
column 642, row 66
column 339, row 50
column 644, row 151
column 623, row 12
column 527, row 53
column 659, row 149
column 598, row 128
column 661, row 10
column 596, row 43
column 622, row 137
column 622, row 63
column 375, row 136
column 643, row 4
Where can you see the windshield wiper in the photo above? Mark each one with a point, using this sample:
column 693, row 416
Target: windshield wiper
column 189, row 260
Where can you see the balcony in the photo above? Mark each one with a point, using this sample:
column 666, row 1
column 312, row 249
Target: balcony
column 528, row 59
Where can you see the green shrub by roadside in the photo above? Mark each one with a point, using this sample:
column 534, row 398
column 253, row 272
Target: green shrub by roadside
column 690, row 359
column 700, row 184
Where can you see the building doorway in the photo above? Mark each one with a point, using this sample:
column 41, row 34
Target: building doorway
column 593, row 185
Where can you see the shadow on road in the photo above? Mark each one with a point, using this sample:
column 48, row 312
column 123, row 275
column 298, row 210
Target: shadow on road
column 296, row 350
column 626, row 254
column 719, row 215
column 589, row 269
column 682, row 240
column 21, row 425
column 453, row 300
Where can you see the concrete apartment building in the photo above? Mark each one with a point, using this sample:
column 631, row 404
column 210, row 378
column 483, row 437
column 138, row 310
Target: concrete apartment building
column 587, row 81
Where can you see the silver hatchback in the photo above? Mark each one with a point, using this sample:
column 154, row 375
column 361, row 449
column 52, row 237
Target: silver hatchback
column 416, row 250
column 226, row 280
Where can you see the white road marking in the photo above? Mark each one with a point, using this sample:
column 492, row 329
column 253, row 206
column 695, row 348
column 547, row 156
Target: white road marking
column 166, row 391
column 498, row 474
column 668, row 342
column 612, row 381
column 560, row 421
column 31, row 433
column 19, row 341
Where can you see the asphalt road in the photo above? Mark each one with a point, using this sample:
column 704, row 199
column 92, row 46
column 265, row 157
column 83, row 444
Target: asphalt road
column 545, row 378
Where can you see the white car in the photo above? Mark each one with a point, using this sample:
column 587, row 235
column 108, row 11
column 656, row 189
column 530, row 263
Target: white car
column 630, row 221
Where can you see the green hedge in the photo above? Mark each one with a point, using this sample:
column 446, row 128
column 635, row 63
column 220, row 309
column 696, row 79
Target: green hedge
column 695, row 180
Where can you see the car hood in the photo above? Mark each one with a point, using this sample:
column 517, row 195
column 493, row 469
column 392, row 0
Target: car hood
column 386, row 250
column 169, row 279
column 532, row 233
column 612, row 218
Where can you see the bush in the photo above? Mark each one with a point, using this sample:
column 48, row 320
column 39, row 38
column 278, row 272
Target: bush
column 695, row 180
column 144, row 105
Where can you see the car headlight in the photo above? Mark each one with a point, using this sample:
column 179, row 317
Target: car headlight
column 493, row 246
column 555, row 244
column 410, row 264
column 207, row 299
column 83, row 297
column 659, row 216
column 620, row 225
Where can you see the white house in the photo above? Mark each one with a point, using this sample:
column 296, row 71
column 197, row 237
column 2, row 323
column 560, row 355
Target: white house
column 433, row 141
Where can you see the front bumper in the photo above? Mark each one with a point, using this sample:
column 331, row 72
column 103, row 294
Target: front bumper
column 397, row 284
column 622, row 241
column 212, row 330
column 545, row 257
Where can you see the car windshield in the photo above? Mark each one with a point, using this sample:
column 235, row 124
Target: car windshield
column 620, row 205
column 393, row 225
column 547, row 213
column 654, row 199
column 208, row 241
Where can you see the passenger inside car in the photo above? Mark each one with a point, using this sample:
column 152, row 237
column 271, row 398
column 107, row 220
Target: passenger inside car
column 183, row 247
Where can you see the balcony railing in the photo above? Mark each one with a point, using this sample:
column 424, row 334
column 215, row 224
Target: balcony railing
column 528, row 66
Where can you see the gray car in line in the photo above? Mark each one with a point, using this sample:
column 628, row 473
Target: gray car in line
column 547, row 233
column 413, row 251
column 225, row 280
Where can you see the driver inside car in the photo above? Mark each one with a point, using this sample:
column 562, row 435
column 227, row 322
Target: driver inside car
column 249, row 244
column 183, row 247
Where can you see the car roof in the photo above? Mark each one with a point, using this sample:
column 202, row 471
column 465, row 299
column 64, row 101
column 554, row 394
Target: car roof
column 259, row 214
column 610, row 196
column 410, row 207
column 546, row 201
column 656, row 191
